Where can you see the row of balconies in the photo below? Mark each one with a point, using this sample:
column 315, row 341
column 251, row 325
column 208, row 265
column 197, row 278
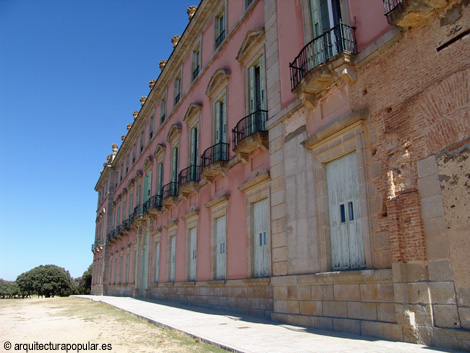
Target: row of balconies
column 249, row 134
column 329, row 57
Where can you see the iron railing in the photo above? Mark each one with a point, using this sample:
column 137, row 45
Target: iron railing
column 170, row 189
column 220, row 39
column 249, row 125
column 125, row 225
column 191, row 173
column 340, row 38
column 390, row 5
column 110, row 236
column 215, row 153
column 131, row 218
column 118, row 229
column 137, row 211
column 93, row 247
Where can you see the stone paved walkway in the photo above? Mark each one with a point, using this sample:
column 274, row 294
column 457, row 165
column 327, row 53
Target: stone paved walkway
column 250, row 334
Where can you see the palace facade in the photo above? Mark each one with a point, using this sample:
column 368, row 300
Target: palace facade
column 304, row 160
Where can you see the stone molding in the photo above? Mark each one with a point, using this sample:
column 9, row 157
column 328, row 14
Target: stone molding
column 254, row 39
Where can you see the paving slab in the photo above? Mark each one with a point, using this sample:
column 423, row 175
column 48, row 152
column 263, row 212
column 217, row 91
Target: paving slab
column 250, row 334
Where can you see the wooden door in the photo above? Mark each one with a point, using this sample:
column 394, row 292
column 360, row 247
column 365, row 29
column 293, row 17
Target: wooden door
column 221, row 248
column 157, row 262
column 344, row 206
column 172, row 259
column 261, row 239
column 192, row 254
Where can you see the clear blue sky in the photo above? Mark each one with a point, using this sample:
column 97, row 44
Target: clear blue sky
column 71, row 74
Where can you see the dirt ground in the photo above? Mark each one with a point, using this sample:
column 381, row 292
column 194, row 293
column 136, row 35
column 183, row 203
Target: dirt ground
column 79, row 321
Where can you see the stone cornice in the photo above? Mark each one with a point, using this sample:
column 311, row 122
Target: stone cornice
column 217, row 200
column 191, row 35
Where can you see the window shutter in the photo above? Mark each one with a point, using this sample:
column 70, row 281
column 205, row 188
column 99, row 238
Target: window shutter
column 262, row 83
column 251, row 82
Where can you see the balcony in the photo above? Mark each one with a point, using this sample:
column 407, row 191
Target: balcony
column 410, row 13
column 96, row 246
column 152, row 205
column 125, row 227
column 111, row 236
column 170, row 194
column 214, row 161
column 249, row 134
column 322, row 62
column 188, row 180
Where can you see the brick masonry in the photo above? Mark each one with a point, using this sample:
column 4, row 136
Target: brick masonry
column 413, row 154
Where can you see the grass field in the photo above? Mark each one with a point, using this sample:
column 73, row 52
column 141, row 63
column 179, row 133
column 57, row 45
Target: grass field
column 80, row 321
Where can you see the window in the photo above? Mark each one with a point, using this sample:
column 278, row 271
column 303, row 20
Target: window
column 131, row 202
column 221, row 251
column 127, row 266
column 157, row 262
column 142, row 141
column 160, row 178
column 162, row 110
column 220, row 130
column 147, row 187
column 195, row 62
column 219, row 28
column 174, row 171
column 194, row 146
column 347, row 244
column 261, row 246
column 127, row 164
column 134, row 148
column 247, row 3
column 256, row 84
column 139, row 191
column 192, row 253
column 151, row 128
column 172, row 258
column 177, row 89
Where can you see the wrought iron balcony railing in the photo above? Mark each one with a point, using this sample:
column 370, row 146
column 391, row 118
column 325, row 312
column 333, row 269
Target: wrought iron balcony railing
column 220, row 39
column 125, row 225
column 93, row 247
column 137, row 211
column 152, row 202
column 191, row 173
column 338, row 39
column 215, row 153
column 390, row 5
column 249, row 125
column 110, row 236
column 118, row 229
column 131, row 218
column 170, row 189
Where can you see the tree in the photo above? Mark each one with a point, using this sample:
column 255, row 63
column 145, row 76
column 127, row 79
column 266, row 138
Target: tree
column 48, row 281
column 85, row 281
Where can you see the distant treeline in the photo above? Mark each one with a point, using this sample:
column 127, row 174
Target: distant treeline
column 46, row 281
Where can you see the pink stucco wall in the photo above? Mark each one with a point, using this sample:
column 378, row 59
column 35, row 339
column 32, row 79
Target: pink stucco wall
column 237, row 175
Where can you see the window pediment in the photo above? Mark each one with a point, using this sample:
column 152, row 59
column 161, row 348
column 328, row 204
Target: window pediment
column 218, row 79
column 253, row 40
column 173, row 134
column 159, row 152
column 148, row 162
column 192, row 113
